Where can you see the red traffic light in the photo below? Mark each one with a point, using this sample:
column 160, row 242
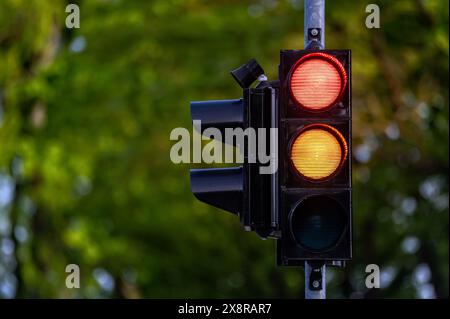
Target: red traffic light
column 317, row 81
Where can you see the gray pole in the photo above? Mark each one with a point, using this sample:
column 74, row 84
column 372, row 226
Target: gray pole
column 315, row 279
column 314, row 24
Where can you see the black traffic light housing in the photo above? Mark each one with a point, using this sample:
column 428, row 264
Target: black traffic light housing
column 315, row 215
column 311, row 219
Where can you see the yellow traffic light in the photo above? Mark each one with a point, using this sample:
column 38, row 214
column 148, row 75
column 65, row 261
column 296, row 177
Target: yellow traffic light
column 318, row 152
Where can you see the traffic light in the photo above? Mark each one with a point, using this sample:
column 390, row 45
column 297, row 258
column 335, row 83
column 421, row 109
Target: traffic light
column 314, row 156
column 305, row 203
column 241, row 190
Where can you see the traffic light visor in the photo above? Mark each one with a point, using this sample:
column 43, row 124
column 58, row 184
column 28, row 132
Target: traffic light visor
column 318, row 152
column 317, row 81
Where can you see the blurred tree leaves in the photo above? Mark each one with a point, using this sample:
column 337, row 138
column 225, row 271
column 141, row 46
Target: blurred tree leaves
column 85, row 118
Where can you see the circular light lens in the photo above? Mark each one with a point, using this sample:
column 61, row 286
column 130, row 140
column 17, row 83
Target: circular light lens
column 318, row 151
column 317, row 223
column 317, row 81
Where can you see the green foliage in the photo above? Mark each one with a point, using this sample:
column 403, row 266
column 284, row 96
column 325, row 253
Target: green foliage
column 85, row 118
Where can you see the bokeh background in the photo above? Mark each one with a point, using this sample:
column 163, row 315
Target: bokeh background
column 85, row 173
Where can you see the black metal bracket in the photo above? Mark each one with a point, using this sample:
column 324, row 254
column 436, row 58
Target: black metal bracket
column 315, row 277
column 314, row 39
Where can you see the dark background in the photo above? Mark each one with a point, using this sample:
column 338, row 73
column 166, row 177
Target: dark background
column 85, row 173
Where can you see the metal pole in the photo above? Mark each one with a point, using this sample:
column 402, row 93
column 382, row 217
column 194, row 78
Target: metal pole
column 315, row 272
column 314, row 24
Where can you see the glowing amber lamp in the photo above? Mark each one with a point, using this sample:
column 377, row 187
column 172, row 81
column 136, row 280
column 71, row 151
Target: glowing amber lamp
column 318, row 152
column 317, row 81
